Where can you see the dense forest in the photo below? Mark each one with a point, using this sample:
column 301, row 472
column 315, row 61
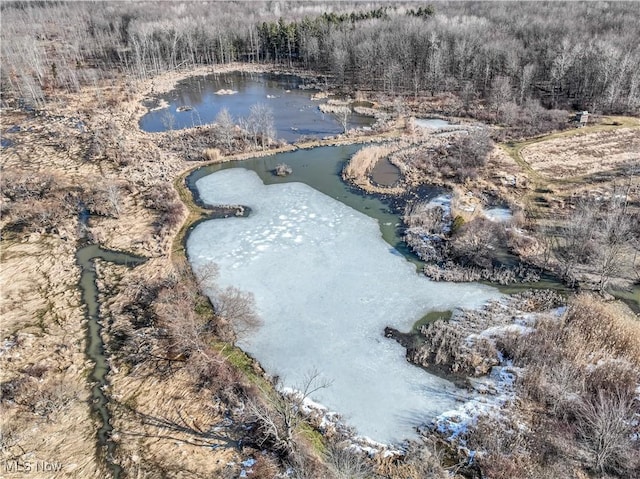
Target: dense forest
column 582, row 57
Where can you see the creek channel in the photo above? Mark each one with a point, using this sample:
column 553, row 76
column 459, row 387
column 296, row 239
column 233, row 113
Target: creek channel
column 85, row 257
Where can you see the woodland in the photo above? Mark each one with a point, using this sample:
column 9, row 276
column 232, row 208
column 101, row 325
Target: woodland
column 584, row 57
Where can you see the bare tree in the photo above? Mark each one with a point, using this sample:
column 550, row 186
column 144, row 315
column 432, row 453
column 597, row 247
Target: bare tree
column 501, row 94
column 261, row 124
column 342, row 114
column 279, row 415
column 189, row 334
column 605, row 424
column 526, row 77
column 226, row 127
column 614, row 235
column 238, row 309
column 575, row 242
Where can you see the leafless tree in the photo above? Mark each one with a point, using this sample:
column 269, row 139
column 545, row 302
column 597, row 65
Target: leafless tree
column 599, row 235
column 575, row 242
column 342, row 114
column 555, row 62
column 260, row 124
column 605, row 424
column 225, row 128
column 615, row 232
column 501, row 94
column 279, row 415
column 238, row 309
column 524, row 85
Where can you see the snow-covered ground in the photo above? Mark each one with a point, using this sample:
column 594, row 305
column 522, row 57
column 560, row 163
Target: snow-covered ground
column 498, row 214
column 491, row 393
column 326, row 284
column 434, row 123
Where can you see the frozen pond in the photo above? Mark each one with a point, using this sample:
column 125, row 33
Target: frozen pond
column 326, row 284
column 198, row 100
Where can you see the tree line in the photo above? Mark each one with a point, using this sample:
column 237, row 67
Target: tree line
column 578, row 55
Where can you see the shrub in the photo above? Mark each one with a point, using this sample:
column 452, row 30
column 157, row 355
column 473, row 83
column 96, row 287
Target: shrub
column 282, row 169
column 348, row 464
column 164, row 200
column 211, row 154
column 605, row 426
column 582, row 372
column 475, row 242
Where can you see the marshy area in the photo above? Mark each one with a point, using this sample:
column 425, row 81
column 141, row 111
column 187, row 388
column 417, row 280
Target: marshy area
column 345, row 240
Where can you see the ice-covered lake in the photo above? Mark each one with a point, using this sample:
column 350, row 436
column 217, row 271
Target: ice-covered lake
column 326, row 284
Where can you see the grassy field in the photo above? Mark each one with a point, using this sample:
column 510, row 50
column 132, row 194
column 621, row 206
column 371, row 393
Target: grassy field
column 589, row 160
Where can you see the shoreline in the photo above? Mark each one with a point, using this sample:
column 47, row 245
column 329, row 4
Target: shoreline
column 132, row 231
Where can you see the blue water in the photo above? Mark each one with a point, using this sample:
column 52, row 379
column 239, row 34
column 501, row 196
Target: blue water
column 295, row 114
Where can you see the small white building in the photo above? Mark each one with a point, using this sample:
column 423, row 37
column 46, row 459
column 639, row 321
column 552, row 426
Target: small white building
column 582, row 118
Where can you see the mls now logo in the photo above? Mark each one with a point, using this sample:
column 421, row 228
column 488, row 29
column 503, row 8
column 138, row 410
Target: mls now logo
column 32, row 466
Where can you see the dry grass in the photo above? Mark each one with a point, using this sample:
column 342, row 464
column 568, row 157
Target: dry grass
column 577, row 156
column 599, row 331
column 166, row 428
column 361, row 164
column 42, row 318
column 582, row 375
column 212, row 154
column 358, row 169
column 576, row 407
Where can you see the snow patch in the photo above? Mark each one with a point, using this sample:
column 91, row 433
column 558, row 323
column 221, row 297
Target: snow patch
column 434, row 123
column 488, row 397
column 498, row 215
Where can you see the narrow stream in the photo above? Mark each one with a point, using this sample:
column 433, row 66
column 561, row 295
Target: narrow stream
column 86, row 256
